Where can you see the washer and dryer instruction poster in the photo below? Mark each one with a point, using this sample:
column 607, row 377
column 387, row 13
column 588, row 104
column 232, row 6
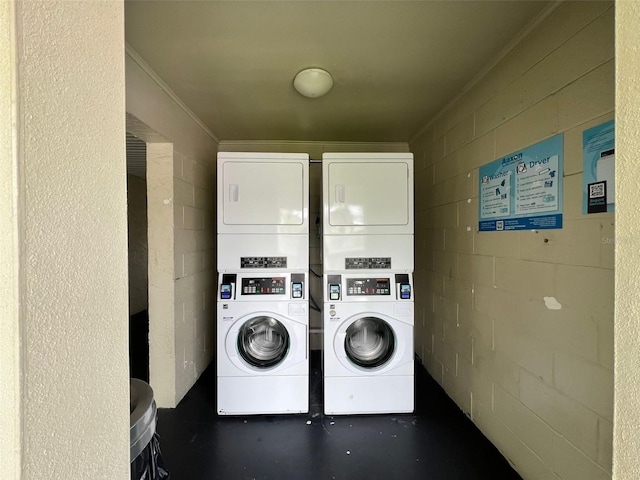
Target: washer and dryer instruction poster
column 523, row 191
column 599, row 168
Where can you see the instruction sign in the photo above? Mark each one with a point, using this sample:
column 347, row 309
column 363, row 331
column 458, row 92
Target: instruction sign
column 599, row 168
column 523, row 191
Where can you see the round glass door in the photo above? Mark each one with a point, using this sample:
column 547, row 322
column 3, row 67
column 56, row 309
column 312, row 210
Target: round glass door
column 369, row 342
column 263, row 342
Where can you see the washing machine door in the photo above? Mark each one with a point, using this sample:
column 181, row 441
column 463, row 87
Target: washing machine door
column 369, row 342
column 263, row 342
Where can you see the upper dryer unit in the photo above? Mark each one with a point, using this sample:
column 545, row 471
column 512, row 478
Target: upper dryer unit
column 263, row 193
column 367, row 193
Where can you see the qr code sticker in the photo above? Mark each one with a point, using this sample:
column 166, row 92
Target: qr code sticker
column 596, row 190
column 500, row 225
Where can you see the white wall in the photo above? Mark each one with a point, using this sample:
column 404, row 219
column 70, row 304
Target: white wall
column 10, row 407
column 538, row 382
column 626, row 462
column 64, row 228
column 181, row 155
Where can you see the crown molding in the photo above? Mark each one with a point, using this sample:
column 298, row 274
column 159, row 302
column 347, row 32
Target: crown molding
column 166, row 89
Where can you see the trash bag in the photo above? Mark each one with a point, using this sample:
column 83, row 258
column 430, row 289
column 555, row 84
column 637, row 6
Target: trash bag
column 149, row 465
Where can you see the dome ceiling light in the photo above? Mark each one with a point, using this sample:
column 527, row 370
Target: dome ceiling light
column 313, row 82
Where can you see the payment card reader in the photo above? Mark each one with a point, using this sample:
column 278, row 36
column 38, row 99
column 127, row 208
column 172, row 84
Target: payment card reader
column 333, row 287
column 226, row 287
column 404, row 286
column 297, row 285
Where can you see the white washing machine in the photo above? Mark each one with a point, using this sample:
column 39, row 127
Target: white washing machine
column 263, row 331
column 263, row 264
column 368, row 343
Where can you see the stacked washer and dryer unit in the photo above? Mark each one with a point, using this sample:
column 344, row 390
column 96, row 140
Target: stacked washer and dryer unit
column 263, row 278
column 368, row 257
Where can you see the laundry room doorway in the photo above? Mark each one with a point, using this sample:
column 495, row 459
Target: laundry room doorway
column 138, row 258
column 151, row 254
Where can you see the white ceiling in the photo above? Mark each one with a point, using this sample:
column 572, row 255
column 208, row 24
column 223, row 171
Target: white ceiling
column 395, row 63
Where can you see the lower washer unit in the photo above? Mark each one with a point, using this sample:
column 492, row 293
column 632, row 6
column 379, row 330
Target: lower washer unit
column 262, row 359
column 262, row 395
column 368, row 358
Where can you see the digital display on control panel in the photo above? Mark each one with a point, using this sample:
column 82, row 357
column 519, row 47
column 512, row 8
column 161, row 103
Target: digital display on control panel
column 263, row 286
column 368, row 286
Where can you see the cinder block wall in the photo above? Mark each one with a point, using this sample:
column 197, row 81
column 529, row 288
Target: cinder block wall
column 194, row 181
column 537, row 381
column 181, row 156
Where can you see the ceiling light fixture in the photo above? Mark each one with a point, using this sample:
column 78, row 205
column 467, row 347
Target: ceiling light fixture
column 313, row 82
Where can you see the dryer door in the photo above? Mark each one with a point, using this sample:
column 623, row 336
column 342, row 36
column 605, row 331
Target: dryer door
column 263, row 342
column 369, row 342
column 264, row 193
column 368, row 194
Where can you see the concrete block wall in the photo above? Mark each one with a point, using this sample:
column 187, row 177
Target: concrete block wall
column 194, row 227
column 181, row 159
column 518, row 326
column 162, row 327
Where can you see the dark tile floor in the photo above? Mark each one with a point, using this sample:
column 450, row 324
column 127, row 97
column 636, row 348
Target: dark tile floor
column 436, row 442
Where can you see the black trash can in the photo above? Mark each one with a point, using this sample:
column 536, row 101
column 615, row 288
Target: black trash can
column 146, row 458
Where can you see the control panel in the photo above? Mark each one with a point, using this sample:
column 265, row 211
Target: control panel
column 368, row 286
column 359, row 287
column 263, row 286
column 235, row 286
